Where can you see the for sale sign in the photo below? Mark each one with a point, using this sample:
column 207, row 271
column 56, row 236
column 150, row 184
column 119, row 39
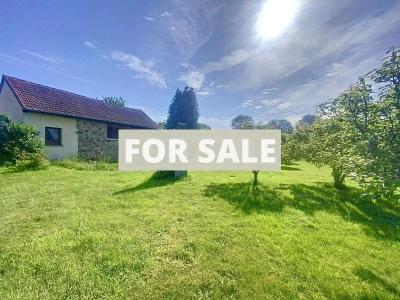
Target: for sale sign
column 199, row 150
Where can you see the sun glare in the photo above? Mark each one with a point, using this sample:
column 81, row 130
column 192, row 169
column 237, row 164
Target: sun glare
column 275, row 17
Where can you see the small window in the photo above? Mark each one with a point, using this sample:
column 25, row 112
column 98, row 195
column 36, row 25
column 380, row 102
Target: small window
column 112, row 132
column 53, row 136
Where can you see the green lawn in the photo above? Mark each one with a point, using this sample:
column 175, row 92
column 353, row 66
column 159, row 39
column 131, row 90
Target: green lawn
column 80, row 234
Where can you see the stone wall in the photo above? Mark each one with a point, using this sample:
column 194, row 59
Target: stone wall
column 93, row 142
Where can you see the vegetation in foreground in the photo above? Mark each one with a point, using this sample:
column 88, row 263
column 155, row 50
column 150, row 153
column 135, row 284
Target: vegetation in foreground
column 68, row 233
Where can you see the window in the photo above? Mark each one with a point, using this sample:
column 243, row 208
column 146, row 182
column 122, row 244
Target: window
column 53, row 136
column 112, row 132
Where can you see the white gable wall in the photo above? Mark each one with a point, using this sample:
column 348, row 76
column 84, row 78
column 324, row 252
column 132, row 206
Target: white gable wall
column 9, row 104
column 69, row 136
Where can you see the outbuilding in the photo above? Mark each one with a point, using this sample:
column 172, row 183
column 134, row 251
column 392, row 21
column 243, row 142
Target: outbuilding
column 69, row 124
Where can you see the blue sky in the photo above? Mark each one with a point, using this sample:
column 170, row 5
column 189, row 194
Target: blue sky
column 243, row 57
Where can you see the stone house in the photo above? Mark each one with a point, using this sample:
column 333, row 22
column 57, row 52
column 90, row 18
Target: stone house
column 69, row 124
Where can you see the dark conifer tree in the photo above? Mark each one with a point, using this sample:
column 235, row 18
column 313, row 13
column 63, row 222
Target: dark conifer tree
column 183, row 110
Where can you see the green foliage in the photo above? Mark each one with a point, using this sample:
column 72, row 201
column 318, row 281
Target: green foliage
column 183, row 111
column 322, row 144
column 284, row 125
column 115, row 101
column 357, row 134
column 5, row 127
column 307, row 119
column 162, row 124
column 203, row 126
column 19, row 143
column 288, row 149
column 31, row 162
column 371, row 126
column 247, row 122
column 243, row 122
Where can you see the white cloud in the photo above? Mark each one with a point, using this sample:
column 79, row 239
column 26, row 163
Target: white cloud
column 104, row 56
column 203, row 93
column 267, row 91
column 150, row 19
column 233, row 59
column 185, row 65
column 46, row 58
column 194, row 79
column 46, row 68
column 284, row 105
column 195, row 24
column 166, row 14
column 197, row 78
column 247, row 103
column 90, row 44
column 331, row 74
column 224, row 85
column 267, row 102
column 143, row 70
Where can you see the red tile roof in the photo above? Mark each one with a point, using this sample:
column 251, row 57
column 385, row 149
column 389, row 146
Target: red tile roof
column 35, row 97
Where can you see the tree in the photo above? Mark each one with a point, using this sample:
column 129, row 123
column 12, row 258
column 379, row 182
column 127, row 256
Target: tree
column 307, row 119
column 183, row 113
column 386, row 169
column 284, row 125
column 115, row 101
column 371, row 126
column 247, row 122
column 162, row 124
column 322, row 144
column 243, row 122
column 288, row 149
column 203, row 126
column 183, row 110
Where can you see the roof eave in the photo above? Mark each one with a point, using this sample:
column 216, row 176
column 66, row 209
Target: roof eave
column 83, row 118
column 4, row 80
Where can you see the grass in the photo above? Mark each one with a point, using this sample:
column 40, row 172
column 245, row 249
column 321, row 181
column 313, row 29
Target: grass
column 81, row 234
column 82, row 165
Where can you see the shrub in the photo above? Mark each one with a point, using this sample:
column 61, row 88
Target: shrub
column 19, row 144
column 31, row 161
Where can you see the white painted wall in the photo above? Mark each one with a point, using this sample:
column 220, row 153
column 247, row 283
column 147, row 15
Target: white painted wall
column 9, row 104
column 69, row 136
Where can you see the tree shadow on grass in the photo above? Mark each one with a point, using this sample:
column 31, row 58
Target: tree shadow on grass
column 380, row 219
column 152, row 182
column 370, row 277
column 246, row 197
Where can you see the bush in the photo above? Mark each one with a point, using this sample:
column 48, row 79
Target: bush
column 31, row 161
column 20, row 144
